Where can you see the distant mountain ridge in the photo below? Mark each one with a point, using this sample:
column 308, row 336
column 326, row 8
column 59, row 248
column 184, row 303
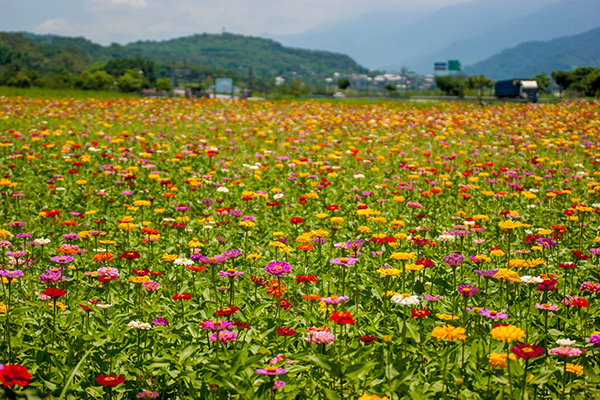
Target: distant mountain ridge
column 531, row 58
column 227, row 51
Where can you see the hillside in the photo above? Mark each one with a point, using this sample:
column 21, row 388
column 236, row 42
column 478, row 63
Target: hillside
column 531, row 58
column 562, row 18
column 225, row 51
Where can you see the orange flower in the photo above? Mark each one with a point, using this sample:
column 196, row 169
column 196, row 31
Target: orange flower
column 306, row 246
column 100, row 257
column 274, row 290
column 311, row 297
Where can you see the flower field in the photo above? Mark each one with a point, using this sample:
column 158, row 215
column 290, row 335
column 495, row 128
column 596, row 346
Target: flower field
column 209, row 250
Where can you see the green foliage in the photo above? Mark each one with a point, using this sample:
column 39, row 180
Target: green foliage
column 479, row 83
column 99, row 80
column 544, row 82
column 448, row 84
column 132, row 81
column 390, row 88
column 344, row 83
column 163, row 84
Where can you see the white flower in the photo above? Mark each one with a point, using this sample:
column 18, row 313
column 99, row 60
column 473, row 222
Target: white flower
column 446, row 238
column 531, row 279
column 183, row 261
column 42, row 241
column 278, row 196
column 405, row 299
column 103, row 306
column 358, row 176
column 565, row 342
column 139, row 325
column 223, row 189
column 469, row 222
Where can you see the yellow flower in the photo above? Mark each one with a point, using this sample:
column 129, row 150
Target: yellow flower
column 139, row 279
column 508, row 275
column 498, row 360
column 372, row 397
column 194, row 243
column 278, row 233
column 403, row 256
column 387, row 338
column 413, row 267
column 396, row 224
column 497, row 253
column 481, row 217
column 139, row 203
column 447, row 317
column 574, row 369
column 324, row 308
column 507, row 333
column 159, row 210
column 363, row 229
column 322, row 233
column 168, row 257
column 4, row 234
column 321, row 215
column 399, row 199
column 516, row 263
column 3, row 308
column 389, row 271
column 253, row 256
column 337, row 220
column 534, row 262
column 247, row 224
column 510, row 224
column 449, row 333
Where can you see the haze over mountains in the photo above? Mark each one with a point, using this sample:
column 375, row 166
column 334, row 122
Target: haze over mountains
column 470, row 32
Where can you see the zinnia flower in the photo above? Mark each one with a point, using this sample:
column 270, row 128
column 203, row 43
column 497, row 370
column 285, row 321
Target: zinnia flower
column 448, row 333
column 12, row 375
column 507, row 333
column 110, row 380
column 278, row 268
column 527, row 350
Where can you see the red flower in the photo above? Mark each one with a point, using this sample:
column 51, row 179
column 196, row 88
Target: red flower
column 86, row 308
column 419, row 313
column 333, row 207
column 296, row 220
column 342, row 318
column 527, row 350
column 579, row 255
column 306, row 279
column 13, row 374
column 130, row 255
column 367, row 339
column 425, row 262
column 182, row 296
column 110, row 380
column 258, row 281
column 285, row 331
column 567, row 265
column 283, row 303
column 241, row 324
column 55, row 293
column 226, row 311
column 141, row 272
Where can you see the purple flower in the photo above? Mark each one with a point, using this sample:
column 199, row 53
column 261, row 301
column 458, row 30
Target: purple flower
column 486, row 272
column 71, row 236
column 230, row 273
column 453, row 259
column 160, row 321
column 278, row 384
column 271, row 371
column 345, row 261
column 595, row 339
column 147, row 395
column 467, row 290
column 492, row 314
column 52, row 276
column 278, row 268
column 431, row 298
column 335, row 299
column 63, row 259
column 10, row 274
column 232, row 253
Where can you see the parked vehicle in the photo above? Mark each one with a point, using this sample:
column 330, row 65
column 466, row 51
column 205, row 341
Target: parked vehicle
column 517, row 89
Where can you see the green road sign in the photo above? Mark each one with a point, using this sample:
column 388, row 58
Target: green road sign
column 453, row 65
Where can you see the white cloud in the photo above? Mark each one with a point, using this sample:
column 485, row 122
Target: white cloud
column 134, row 4
column 57, row 25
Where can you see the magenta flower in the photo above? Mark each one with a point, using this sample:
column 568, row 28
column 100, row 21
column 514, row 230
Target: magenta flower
column 431, row 298
column 547, row 307
column 345, row 261
column 11, row 274
column 230, row 273
column 216, row 325
column 223, row 336
column 467, row 290
column 52, row 276
column 278, row 384
column 316, row 335
column 595, row 339
column 271, row 371
column 492, row 314
column 63, row 259
column 278, row 268
column 334, row 299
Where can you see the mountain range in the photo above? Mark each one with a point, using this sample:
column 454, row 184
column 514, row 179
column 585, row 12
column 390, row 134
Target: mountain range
column 470, row 32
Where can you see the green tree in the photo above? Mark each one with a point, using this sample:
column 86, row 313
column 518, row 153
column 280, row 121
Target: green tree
column 448, row 84
column 563, row 80
column 99, row 80
column 544, row 82
column 344, row 83
column 479, row 83
column 593, row 82
column 163, row 84
column 132, row 81
column 390, row 88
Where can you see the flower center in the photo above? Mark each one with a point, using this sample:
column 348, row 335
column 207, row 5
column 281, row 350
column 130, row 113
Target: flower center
column 271, row 369
column 527, row 350
column 405, row 295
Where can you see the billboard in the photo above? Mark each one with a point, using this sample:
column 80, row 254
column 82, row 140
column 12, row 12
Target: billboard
column 439, row 66
column 453, row 65
column 224, row 85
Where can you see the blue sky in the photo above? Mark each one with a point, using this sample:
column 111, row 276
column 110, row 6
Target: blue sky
column 122, row 21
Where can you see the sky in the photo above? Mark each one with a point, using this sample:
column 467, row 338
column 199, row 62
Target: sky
column 123, row 21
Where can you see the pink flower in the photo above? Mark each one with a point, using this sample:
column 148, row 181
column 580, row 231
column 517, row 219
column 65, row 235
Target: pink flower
column 151, row 286
column 547, row 307
column 319, row 335
column 223, row 336
column 565, row 351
